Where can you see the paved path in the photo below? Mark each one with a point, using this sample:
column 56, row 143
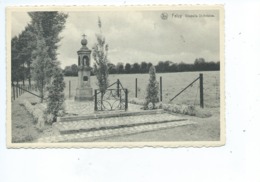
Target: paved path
column 108, row 127
column 75, row 126
column 85, row 108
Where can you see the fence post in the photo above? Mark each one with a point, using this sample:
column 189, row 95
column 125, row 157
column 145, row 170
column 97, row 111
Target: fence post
column 13, row 91
column 16, row 91
column 95, row 107
column 135, row 87
column 120, row 99
column 201, row 91
column 19, row 90
column 69, row 89
column 126, row 99
column 161, row 88
column 117, row 87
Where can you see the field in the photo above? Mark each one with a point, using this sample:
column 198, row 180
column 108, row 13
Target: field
column 172, row 84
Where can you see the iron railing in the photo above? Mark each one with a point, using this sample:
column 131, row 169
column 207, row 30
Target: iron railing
column 112, row 98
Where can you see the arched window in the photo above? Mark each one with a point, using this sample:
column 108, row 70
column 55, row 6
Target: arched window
column 86, row 60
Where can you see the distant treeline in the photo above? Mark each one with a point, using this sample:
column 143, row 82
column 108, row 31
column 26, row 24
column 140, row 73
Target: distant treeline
column 162, row 67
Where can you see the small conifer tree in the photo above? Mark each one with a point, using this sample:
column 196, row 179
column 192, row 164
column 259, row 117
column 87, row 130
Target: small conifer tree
column 152, row 90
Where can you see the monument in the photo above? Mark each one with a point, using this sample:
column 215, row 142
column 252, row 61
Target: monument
column 84, row 91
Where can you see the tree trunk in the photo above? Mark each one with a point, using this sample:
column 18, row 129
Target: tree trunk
column 102, row 95
column 23, row 74
column 41, row 92
column 29, row 76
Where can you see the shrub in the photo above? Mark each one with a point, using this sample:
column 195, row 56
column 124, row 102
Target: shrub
column 152, row 89
column 55, row 98
column 49, row 118
column 180, row 109
column 41, row 122
column 175, row 108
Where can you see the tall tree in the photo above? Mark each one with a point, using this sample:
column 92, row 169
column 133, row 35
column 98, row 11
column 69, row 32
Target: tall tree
column 136, row 68
column 74, row 70
column 166, row 66
column 160, row 67
column 149, row 66
column 46, row 27
column 173, row 67
column 100, row 52
column 199, row 64
column 120, row 68
column 42, row 63
column 15, row 64
column 111, row 68
column 127, row 68
column 143, row 67
column 27, row 43
column 52, row 23
column 67, row 71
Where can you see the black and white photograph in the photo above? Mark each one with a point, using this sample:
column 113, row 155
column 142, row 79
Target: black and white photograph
column 115, row 76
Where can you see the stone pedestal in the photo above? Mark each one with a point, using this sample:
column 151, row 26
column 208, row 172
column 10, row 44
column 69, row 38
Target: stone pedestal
column 84, row 94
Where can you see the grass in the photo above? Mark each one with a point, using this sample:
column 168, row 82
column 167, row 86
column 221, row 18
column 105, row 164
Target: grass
column 172, row 84
column 23, row 126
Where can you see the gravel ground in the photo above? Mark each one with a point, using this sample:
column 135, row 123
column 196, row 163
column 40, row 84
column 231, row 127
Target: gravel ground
column 205, row 129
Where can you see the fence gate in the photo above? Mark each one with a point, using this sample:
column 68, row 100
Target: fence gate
column 112, row 98
column 200, row 78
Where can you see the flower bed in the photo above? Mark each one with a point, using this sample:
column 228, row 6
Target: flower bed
column 175, row 108
column 180, row 109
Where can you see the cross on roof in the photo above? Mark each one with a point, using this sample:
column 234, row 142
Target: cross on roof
column 83, row 36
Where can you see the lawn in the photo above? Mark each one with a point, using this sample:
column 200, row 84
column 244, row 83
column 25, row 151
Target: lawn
column 172, row 84
column 23, row 127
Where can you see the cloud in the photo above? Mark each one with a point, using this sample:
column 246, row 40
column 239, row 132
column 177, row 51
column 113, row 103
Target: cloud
column 18, row 22
column 136, row 36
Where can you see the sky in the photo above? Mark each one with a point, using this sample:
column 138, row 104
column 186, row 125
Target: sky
column 136, row 36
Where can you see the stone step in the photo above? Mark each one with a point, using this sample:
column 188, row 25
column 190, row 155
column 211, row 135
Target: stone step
column 104, row 133
column 104, row 114
column 115, row 122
